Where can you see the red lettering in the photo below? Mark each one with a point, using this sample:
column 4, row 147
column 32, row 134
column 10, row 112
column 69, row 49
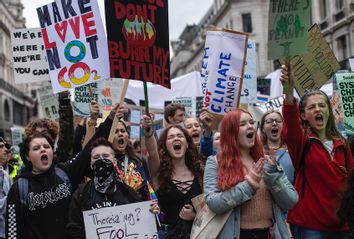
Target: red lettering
column 75, row 26
column 47, row 44
column 89, row 22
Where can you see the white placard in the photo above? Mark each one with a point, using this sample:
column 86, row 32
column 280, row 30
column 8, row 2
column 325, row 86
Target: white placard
column 28, row 55
column 225, row 70
column 75, row 43
column 49, row 102
column 351, row 63
column 126, row 221
column 249, row 85
column 16, row 136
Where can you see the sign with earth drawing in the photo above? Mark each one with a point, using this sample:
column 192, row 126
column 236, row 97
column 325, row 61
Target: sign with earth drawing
column 287, row 29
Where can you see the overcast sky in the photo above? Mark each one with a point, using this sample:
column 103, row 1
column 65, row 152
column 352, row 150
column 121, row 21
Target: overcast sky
column 181, row 12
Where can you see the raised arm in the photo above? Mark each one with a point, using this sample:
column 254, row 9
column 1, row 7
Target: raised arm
column 287, row 80
column 206, row 142
column 66, row 128
column 151, row 146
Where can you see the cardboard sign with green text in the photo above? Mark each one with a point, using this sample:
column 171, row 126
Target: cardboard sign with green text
column 313, row 69
column 287, row 28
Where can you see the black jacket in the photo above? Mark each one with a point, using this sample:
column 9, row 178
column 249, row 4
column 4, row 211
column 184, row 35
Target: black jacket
column 87, row 198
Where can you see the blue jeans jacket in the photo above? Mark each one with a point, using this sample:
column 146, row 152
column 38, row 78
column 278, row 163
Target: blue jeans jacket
column 283, row 194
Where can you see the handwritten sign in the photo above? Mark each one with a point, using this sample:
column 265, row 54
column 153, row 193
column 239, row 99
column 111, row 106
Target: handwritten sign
column 249, row 86
column 82, row 98
column 225, row 68
column 138, row 40
column 287, row 28
column 75, row 43
column 345, row 83
column 126, row 221
column 49, row 102
column 28, row 56
column 313, row 69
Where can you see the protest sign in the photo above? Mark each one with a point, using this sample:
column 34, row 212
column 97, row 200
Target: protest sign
column 249, row 85
column 135, row 123
column 345, row 83
column 28, row 54
column 16, row 136
column 188, row 103
column 83, row 96
column 225, row 68
column 314, row 68
column 49, row 102
column 126, row 221
column 287, row 28
column 198, row 106
column 75, row 43
column 204, row 70
column 109, row 93
column 351, row 63
column 138, row 40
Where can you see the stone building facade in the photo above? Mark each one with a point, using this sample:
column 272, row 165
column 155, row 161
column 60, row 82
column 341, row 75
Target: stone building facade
column 335, row 18
column 17, row 105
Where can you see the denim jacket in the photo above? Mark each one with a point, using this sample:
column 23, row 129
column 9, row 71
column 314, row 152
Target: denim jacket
column 283, row 194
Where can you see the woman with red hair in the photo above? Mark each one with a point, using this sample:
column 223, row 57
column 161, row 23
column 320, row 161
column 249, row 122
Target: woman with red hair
column 241, row 179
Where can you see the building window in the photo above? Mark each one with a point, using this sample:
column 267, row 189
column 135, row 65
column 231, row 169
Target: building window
column 323, row 9
column 6, row 111
column 341, row 48
column 247, row 22
column 339, row 4
column 18, row 116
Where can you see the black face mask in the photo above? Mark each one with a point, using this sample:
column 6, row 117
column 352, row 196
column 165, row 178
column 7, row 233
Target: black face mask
column 105, row 176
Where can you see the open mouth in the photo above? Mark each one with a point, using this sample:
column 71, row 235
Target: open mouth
column 275, row 131
column 195, row 135
column 177, row 146
column 44, row 158
column 319, row 118
column 120, row 142
column 250, row 135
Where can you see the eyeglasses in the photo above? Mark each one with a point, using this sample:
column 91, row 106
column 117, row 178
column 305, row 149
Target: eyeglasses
column 270, row 121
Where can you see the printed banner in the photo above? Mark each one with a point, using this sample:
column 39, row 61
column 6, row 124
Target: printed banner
column 28, row 55
column 345, row 83
column 225, row 68
column 49, row 102
column 249, row 86
column 138, row 40
column 287, row 28
column 75, row 43
column 188, row 103
column 109, row 93
column 313, row 69
column 126, row 221
column 82, row 98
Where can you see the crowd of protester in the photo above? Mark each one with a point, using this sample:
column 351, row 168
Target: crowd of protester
column 291, row 178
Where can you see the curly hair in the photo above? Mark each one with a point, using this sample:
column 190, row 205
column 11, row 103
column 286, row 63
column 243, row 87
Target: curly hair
column 170, row 110
column 25, row 146
column 192, row 158
column 50, row 125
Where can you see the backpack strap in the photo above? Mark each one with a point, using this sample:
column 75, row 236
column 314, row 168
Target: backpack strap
column 23, row 190
column 63, row 175
column 302, row 164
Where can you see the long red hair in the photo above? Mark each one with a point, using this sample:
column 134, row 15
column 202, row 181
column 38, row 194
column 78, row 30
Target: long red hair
column 230, row 166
